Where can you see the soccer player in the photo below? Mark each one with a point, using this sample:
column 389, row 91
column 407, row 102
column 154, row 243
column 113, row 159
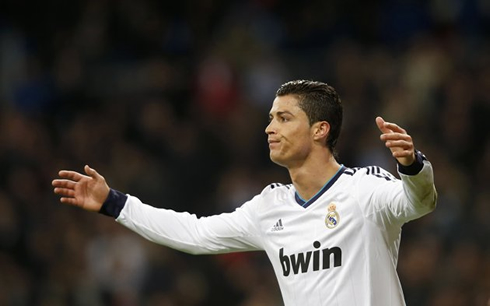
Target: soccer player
column 332, row 235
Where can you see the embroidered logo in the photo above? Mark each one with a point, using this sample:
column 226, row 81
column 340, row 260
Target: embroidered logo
column 332, row 219
column 278, row 226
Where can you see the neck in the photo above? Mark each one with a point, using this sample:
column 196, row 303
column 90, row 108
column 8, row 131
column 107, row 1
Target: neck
column 310, row 177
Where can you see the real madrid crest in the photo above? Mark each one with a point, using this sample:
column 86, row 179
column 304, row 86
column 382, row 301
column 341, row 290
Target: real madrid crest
column 332, row 219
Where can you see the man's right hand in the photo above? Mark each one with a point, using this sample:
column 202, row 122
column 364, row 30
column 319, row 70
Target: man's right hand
column 86, row 191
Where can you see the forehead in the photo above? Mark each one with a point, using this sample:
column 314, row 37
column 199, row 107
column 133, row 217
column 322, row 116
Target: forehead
column 288, row 103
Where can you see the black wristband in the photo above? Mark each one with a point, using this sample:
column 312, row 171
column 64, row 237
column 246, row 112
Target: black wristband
column 415, row 167
column 113, row 204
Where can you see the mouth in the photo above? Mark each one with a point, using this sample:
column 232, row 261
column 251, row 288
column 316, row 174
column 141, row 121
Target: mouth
column 273, row 143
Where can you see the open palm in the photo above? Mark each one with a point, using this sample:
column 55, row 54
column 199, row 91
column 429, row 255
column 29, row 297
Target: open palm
column 86, row 191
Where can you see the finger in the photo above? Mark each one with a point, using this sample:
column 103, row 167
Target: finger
column 91, row 172
column 72, row 175
column 394, row 127
column 63, row 183
column 380, row 122
column 399, row 144
column 71, row 201
column 65, row 192
column 395, row 136
column 403, row 153
column 394, row 140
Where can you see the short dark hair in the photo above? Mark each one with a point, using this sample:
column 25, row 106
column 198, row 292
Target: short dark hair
column 320, row 102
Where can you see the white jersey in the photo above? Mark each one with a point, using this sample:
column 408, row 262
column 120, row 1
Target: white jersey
column 338, row 248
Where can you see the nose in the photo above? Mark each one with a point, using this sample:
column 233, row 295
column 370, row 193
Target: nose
column 269, row 128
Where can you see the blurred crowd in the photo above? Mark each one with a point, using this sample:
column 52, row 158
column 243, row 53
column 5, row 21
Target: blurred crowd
column 168, row 100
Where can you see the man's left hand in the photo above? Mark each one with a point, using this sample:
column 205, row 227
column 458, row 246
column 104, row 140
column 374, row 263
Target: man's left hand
column 398, row 141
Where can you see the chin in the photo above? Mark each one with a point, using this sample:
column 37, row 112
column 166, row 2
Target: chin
column 277, row 160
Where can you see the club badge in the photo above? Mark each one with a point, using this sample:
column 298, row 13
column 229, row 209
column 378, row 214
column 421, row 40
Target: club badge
column 332, row 219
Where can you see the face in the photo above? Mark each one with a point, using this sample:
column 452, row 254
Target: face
column 289, row 132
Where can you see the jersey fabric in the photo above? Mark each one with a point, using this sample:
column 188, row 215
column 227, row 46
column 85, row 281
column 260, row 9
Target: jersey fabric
column 338, row 248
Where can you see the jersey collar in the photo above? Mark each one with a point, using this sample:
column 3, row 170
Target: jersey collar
column 303, row 203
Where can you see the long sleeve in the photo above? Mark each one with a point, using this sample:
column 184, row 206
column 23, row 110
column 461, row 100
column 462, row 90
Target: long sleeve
column 227, row 232
column 420, row 192
column 392, row 201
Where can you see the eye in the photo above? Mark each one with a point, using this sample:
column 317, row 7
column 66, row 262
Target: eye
column 284, row 119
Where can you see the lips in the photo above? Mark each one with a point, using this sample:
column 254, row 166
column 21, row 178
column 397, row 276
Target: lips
column 273, row 142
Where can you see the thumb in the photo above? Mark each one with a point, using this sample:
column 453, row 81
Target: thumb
column 91, row 172
column 380, row 122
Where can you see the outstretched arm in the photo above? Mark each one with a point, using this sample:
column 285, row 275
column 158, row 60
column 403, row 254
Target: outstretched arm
column 398, row 141
column 223, row 233
column 86, row 191
column 418, row 195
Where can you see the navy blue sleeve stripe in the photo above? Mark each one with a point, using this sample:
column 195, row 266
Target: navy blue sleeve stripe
column 415, row 167
column 113, row 204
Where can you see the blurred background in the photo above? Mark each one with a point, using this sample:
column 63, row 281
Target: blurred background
column 169, row 101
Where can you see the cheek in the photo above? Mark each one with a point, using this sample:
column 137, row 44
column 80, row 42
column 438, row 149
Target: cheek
column 298, row 137
column 302, row 143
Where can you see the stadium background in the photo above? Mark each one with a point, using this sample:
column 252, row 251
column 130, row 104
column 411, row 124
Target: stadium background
column 169, row 101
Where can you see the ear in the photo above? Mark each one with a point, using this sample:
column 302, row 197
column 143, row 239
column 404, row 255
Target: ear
column 320, row 130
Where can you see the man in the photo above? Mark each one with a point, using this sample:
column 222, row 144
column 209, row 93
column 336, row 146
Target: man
column 332, row 235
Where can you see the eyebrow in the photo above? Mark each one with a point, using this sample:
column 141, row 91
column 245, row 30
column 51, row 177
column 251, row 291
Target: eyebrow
column 280, row 113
